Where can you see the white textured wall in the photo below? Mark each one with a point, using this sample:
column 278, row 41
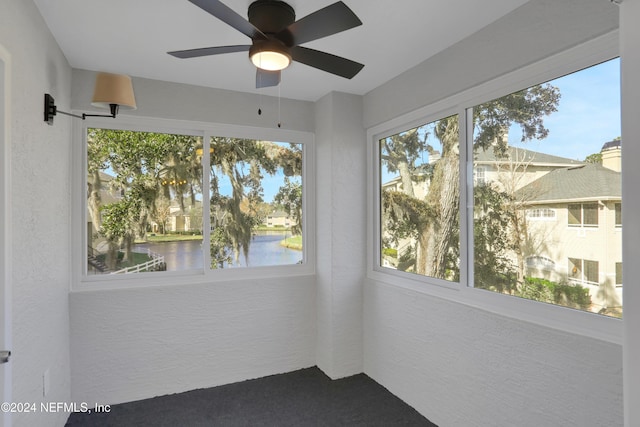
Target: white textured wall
column 178, row 101
column 462, row 366
column 134, row 344
column 341, row 236
column 40, row 168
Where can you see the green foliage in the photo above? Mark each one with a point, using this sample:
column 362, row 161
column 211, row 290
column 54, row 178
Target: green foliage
column 526, row 108
column 390, row 252
column 117, row 218
column 594, row 158
column 219, row 248
column 289, row 199
column 574, row 296
column 492, row 240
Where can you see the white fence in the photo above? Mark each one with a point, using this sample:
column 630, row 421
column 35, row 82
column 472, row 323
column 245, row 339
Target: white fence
column 151, row 265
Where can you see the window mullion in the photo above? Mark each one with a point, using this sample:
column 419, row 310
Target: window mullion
column 206, row 204
column 466, row 197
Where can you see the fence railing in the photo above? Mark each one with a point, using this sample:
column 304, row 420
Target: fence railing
column 156, row 261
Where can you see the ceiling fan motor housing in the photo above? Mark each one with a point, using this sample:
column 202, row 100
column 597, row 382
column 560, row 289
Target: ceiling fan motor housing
column 271, row 16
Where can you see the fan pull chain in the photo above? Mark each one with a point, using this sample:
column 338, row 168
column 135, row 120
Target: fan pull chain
column 279, row 122
column 260, row 90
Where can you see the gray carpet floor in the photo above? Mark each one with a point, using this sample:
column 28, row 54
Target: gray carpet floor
column 302, row 398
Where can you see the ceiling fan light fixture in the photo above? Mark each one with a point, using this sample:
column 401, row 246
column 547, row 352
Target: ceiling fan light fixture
column 270, row 56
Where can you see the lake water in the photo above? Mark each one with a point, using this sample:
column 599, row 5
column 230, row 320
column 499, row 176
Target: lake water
column 265, row 250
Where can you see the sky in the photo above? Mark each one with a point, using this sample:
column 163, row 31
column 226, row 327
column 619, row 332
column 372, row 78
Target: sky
column 270, row 183
column 588, row 113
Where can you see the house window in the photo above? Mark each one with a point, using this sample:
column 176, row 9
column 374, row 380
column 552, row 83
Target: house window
column 618, row 209
column 540, row 214
column 511, row 213
column 479, row 173
column 146, row 210
column 419, row 192
column 618, row 274
column 584, row 271
column 583, row 214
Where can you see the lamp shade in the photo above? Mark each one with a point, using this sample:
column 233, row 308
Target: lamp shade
column 113, row 89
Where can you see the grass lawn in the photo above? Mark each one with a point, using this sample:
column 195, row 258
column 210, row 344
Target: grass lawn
column 294, row 242
column 171, row 237
column 136, row 258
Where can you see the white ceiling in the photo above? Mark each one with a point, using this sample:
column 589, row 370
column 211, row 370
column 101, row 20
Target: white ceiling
column 133, row 36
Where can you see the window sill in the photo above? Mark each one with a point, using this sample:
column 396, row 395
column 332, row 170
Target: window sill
column 191, row 277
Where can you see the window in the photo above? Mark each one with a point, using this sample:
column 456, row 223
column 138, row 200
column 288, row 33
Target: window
column 619, row 274
column 144, row 202
column 529, row 179
column 618, row 213
column 479, row 173
column 583, row 271
column 524, row 135
column 256, row 203
column 583, row 215
column 146, row 210
column 419, row 194
column 541, row 214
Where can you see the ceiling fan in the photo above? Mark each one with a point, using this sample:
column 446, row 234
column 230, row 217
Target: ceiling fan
column 276, row 37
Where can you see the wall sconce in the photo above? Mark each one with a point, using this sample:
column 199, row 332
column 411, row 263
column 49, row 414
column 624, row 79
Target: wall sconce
column 113, row 91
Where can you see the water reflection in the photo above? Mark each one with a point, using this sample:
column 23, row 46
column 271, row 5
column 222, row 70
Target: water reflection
column 265, row 250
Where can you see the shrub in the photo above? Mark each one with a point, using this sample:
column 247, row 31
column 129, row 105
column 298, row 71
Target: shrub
column 574, row 296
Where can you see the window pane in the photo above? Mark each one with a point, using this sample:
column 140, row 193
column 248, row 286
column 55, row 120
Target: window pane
column 575, row 214
column 256, row 203
column 618, row 208
column 419, row 192
column 591, row 271
column 533, row 169
column 144, row 202
column 619, row 273
column 590, row 214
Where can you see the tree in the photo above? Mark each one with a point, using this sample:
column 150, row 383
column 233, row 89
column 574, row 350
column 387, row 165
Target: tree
column 289, row 199
column 145, row 166
column 242, row 163
column 432, row 220
column 162, row 213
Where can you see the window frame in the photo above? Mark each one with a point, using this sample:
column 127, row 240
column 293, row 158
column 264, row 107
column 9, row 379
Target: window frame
column 583, row 215
column 542, row 214
column 618, row 215
column 583, row 323
column 81, row 281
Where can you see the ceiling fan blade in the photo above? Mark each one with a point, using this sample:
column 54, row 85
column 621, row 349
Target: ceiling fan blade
column 330, row 20
column 326, row 62
column 230, row 17
column 266, row 78
column 206, row 51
